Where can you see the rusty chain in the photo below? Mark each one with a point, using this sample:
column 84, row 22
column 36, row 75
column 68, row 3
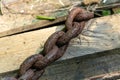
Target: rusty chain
column 34, row 66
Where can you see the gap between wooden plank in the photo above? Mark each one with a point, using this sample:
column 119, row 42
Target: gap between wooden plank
column 43, row 23
column 98, row 35
column 81, row 68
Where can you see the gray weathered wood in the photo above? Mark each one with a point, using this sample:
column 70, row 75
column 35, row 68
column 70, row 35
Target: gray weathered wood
column 81, row 68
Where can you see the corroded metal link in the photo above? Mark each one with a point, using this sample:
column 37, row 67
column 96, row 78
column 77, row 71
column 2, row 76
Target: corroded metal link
column 31, row 74
column 40, row 65
column 74, row 32
column 84, row 16
column 73, row 13
column 28, row 63
column 43, row 61
column 28, row 75
column 38, row 74
column 51, row 41
column 62, row 50
column 52, row 56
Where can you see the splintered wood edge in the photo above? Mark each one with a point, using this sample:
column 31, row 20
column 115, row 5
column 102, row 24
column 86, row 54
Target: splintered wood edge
column 36, row 25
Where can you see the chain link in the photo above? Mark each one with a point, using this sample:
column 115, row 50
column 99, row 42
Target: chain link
column 34, row 66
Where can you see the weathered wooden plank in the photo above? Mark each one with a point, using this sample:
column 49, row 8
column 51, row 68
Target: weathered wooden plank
column 82, row 68
column 16, row 48
column 39, row 24
column 19, row 15
column 20, row 22
column 99, row 35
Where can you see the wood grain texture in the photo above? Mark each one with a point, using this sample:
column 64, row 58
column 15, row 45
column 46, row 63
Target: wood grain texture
column 12, row 27
column 81, row 68
column 20, row 15
column 15, row 49
column 99, row 35
column 11, row 23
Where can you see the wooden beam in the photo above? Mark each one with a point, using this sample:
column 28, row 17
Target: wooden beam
column 15, row 49
column 36, row 25
column 99, row 35
column 108, row 6
column 16, row 23
column 99, row 65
